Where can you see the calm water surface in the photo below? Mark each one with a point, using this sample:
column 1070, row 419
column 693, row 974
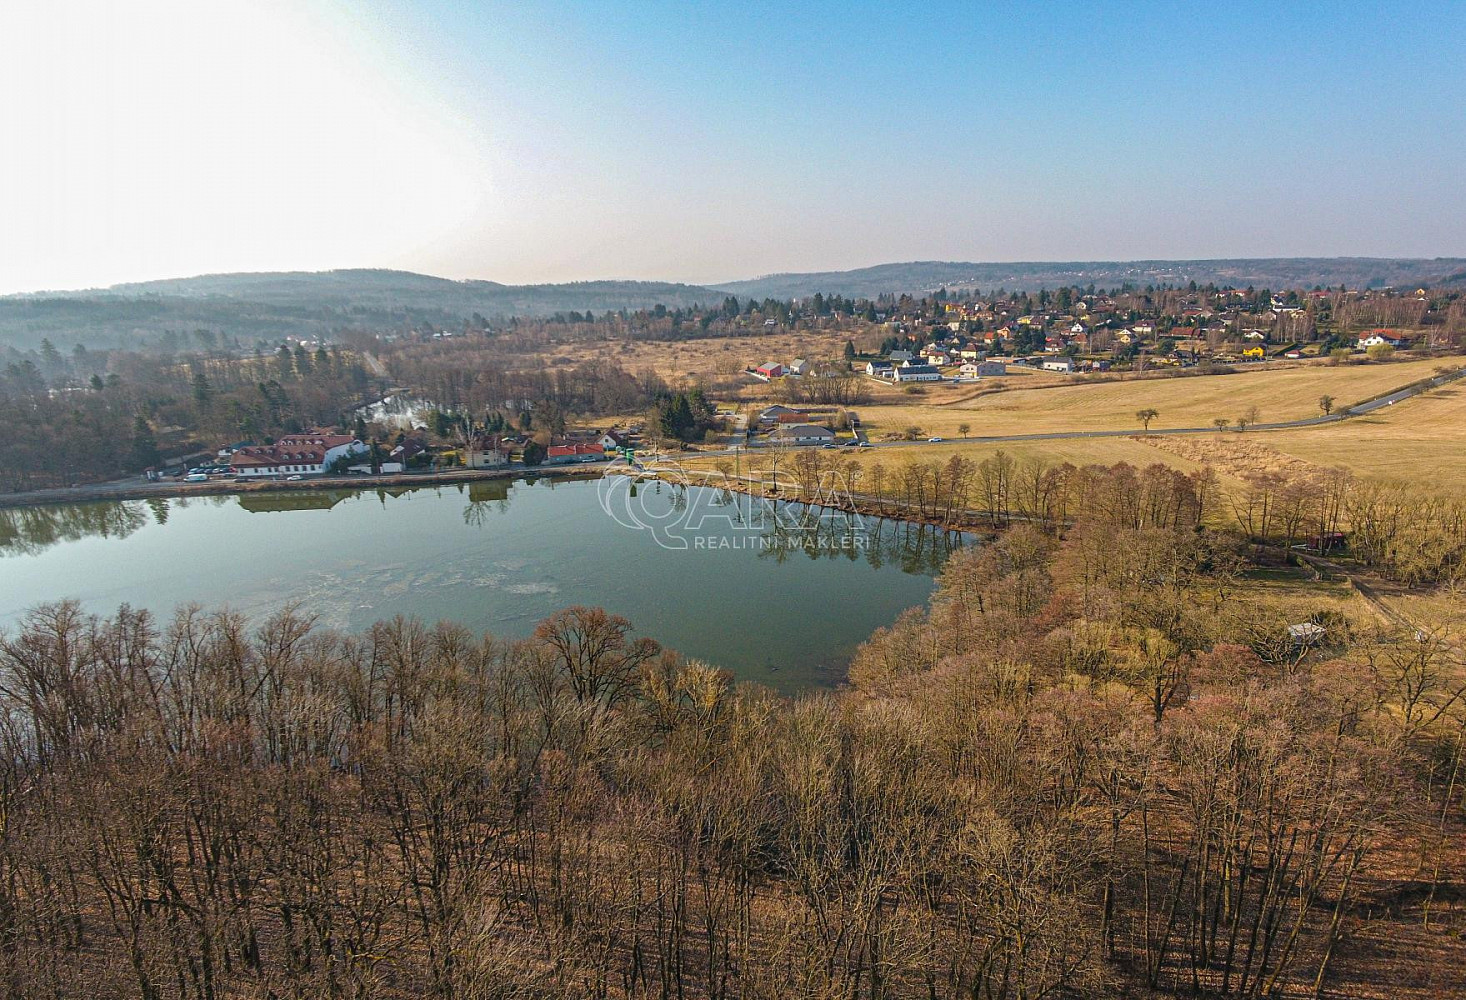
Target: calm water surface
column 779, row 599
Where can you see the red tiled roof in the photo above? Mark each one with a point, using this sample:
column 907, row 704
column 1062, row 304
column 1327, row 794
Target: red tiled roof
column 275, row 455
column 294, row 449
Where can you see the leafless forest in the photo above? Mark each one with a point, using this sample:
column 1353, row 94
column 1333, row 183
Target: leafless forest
column 1095, row 767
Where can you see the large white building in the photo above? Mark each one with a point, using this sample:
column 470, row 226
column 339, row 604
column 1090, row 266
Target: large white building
column 802, row 434
column 310, row 453
column 916, row 373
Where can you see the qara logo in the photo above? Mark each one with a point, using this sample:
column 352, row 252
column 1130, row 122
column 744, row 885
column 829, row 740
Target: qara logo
column 640, row 506
column 685, row 510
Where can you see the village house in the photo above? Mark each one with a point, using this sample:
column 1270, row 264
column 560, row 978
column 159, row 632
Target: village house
column 771, row 369
column 801, row 434
column 910, row 372
column 1376, row 337
column 897, row 357
column 486, row 451
column 771, row 414
column 405, row 452
column 564, row 454
column 800, row 367
column 880, row 369
column 1065, row 365
column 309, row 453
column 614, row 441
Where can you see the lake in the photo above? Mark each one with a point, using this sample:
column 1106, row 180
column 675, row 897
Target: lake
column 779, row 594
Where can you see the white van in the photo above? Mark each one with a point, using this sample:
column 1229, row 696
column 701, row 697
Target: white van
column 196, row 477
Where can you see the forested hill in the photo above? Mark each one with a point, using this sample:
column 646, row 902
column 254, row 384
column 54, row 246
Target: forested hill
column 271, row 304
column 1273, row 272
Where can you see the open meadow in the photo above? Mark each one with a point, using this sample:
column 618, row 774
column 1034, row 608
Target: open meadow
column 1279, row 394
column 1418, row 440
column 707, row 358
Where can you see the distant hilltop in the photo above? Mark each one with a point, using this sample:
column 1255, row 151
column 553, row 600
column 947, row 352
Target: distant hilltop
column 1264, row 272
column 270, row 305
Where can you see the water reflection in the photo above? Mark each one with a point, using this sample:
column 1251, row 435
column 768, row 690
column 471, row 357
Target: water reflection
column 29, row 530
column 778, row 531
column 782, row 530
column 267, row 502
column 781, row 599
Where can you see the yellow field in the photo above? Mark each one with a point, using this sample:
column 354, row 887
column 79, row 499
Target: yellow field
column 1279, row 394
column 1419, row 440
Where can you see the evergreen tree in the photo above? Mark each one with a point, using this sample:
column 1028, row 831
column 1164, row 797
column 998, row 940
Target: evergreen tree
column 203, row 392
column 144, row 444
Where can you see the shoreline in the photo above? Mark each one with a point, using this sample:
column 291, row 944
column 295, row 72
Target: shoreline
column 223, row 487
column 975, row 521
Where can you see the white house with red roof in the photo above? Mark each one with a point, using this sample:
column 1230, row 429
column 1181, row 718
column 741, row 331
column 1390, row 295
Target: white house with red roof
column 1375, row 337
column 579, row 451
column 309, row 453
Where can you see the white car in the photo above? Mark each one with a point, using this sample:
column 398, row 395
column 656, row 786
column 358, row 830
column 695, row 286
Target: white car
column 933, row 440
column 294, row 479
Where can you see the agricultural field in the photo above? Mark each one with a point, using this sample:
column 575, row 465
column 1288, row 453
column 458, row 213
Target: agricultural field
column 1419, row 440
column 1279, row 394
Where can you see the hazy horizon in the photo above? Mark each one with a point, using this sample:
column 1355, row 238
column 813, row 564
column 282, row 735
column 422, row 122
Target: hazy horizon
column 710, row 284
column 714, row 144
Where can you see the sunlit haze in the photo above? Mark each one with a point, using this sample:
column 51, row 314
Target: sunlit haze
column 709, row 142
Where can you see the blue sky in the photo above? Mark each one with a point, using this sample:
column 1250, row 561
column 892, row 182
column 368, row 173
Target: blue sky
column 700, row 142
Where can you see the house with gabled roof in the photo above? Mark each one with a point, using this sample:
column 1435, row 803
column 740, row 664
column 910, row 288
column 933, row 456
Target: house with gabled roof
column 309, row 453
